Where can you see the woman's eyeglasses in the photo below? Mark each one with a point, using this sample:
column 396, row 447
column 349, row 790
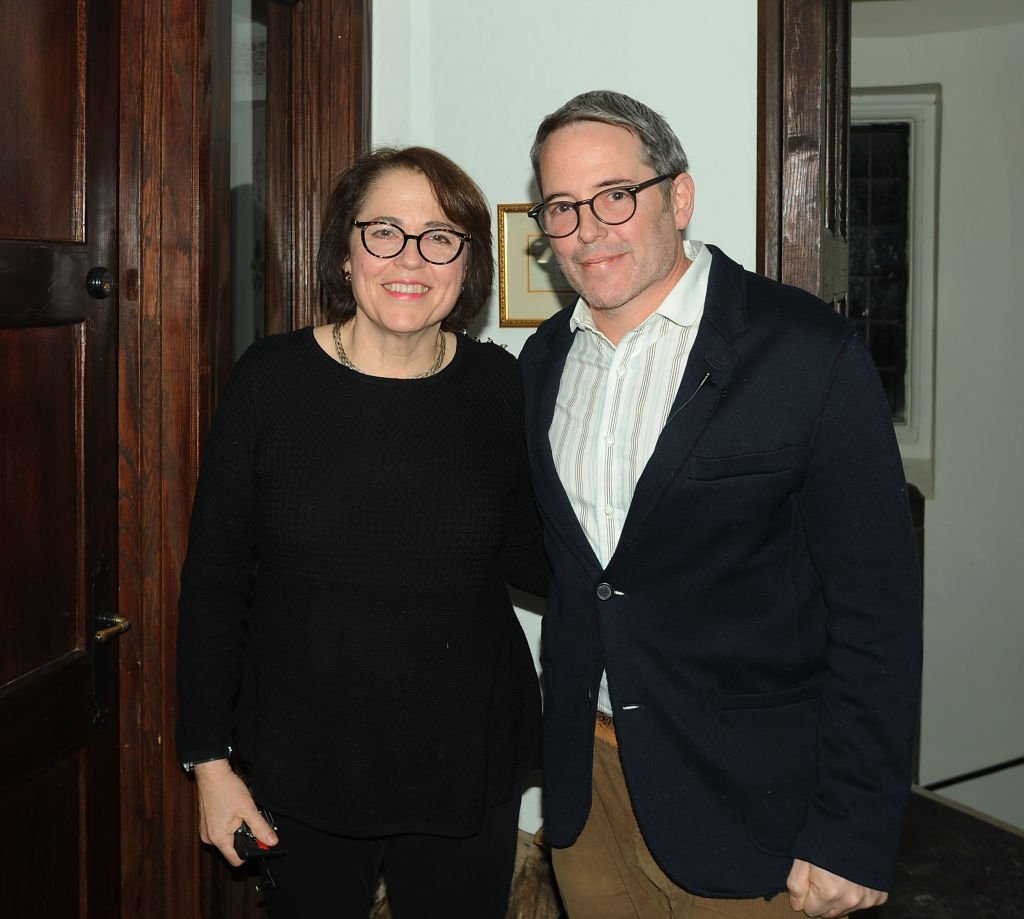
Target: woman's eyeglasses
column 385, row 240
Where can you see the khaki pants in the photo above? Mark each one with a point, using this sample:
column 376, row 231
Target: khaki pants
column 608, row 873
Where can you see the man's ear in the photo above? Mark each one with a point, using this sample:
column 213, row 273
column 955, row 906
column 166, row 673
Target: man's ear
column 682, row 199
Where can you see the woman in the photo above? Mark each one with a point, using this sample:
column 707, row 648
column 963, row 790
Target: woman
column 374, row 468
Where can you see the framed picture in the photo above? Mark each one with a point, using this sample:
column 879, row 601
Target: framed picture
column 531, row 286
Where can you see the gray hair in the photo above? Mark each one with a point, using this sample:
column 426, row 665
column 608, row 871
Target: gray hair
column 661, row 148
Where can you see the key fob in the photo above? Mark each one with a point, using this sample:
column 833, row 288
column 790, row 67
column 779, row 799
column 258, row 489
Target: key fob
column 247, row 846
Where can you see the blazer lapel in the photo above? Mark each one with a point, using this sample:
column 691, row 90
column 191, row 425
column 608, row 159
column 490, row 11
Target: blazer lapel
column 550, row 492
column 705, row 381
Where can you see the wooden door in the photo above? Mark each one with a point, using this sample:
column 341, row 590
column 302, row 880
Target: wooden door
column 59, row 813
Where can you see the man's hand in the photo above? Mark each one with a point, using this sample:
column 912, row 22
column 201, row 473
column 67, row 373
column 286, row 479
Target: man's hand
column 821, row 893
column 224, row 802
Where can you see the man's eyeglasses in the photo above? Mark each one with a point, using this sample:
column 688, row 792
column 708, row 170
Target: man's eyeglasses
column 612, row 206
column 385, row 240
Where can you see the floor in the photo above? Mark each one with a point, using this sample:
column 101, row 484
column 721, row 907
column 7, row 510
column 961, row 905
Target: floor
column 955, row 864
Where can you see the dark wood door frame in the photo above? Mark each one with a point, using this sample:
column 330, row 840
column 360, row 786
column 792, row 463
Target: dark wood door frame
column 803, row 138
column 318, row 115
column 173, row 287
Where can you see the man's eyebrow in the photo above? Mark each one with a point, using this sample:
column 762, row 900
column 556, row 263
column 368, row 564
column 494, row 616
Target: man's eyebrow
column 605, row 183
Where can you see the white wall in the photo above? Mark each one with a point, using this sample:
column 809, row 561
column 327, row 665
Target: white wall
column 974, row 599
column 474, row 79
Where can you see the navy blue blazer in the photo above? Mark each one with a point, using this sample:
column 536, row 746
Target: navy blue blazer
column 759, row 620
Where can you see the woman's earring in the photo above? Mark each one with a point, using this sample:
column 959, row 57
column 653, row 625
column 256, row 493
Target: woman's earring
column 348, row 277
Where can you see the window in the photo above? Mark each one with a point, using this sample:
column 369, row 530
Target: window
column 893, row 203
column 879, row 155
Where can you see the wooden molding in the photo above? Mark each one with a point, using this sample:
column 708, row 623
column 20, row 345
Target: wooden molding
column 318, row 117
column 803, row 127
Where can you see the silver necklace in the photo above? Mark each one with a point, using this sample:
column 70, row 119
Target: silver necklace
column 346, row 361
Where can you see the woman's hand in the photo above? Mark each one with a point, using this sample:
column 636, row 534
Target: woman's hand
column 224, row 802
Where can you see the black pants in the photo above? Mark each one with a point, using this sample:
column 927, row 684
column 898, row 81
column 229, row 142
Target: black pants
column 428, row 877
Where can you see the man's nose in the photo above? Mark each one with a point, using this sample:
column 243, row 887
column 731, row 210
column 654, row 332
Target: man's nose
column 590, row 227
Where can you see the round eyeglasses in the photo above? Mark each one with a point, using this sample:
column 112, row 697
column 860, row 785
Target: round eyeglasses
column 385, row 240
column 558, row 218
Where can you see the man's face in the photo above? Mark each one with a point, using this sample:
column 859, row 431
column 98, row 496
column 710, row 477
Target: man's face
column 624, row 270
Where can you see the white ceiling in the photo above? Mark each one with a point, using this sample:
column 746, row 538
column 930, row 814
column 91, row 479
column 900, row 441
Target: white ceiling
column 876, row 18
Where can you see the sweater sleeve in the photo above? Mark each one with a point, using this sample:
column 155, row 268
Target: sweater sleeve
column 216, row 576
column 523, row 561
column 856, row 519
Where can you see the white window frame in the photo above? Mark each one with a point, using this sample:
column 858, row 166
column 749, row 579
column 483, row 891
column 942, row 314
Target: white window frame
column 919, row 107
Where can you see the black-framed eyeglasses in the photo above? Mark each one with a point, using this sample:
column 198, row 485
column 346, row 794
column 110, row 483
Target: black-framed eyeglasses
column 437, row 246
column 612, row 206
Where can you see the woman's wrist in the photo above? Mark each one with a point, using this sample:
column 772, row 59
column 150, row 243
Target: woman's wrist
column 193, row 765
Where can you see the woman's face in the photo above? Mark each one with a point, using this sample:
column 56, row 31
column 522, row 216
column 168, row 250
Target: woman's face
column 405, row 294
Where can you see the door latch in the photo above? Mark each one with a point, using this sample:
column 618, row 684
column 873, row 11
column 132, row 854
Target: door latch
column 109, row 627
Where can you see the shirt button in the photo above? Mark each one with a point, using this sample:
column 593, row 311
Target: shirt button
column 604, row 591
column 608, row 510
column 609, row 438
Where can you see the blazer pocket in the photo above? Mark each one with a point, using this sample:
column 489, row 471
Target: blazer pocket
column 710, row 468
column 770, row 752
column 746, row 701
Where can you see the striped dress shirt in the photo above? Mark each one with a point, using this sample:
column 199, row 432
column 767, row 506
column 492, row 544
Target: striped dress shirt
column 612, row 405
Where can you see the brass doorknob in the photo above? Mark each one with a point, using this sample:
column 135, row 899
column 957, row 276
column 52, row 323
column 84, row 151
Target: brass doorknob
column 112, row 626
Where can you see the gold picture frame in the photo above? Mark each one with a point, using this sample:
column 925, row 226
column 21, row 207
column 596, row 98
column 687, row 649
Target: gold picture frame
column 531, row 286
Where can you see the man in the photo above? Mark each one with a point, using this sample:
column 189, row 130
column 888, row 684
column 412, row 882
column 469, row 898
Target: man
column 735, row 613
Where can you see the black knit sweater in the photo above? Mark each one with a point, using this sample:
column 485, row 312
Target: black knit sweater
column 369, row 667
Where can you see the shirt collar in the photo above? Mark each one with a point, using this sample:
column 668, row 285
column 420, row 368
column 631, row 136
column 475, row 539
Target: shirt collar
column 684, row 303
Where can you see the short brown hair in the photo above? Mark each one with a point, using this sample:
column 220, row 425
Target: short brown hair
column 461, row 201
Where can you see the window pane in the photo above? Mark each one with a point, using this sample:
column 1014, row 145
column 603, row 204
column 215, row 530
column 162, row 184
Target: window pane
column 248, row 170
column 889, row 298
column 887, row 201
column 878, row 251
column 858, row 250
column 858, row 305
column 860, row 153
column 859, row 190
column 885, row 153
column 887, row 252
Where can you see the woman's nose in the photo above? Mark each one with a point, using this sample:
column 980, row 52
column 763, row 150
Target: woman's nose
column 410, row 256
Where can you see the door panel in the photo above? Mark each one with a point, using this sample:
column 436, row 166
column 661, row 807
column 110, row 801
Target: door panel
column 48, row 804
column 39, row 484
column 42, row 171
column 58, row 457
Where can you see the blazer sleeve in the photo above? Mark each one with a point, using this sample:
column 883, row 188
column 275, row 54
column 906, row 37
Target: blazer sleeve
column 856, row 519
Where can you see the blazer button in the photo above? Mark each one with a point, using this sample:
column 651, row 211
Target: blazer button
column 604, row 591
